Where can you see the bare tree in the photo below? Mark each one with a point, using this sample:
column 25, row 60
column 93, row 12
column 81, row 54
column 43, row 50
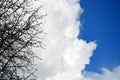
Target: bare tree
column 19, row 27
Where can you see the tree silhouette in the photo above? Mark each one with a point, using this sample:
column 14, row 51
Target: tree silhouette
column 19, row 27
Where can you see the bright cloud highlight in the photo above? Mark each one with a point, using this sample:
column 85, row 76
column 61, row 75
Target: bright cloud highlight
column 66, row 55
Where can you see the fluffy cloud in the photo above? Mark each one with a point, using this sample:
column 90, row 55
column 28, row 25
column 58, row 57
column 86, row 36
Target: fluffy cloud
column 66, row 55
column 106, row 74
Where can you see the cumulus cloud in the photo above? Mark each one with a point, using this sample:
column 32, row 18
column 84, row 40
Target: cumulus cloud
column 106, row 74
column 65, row 56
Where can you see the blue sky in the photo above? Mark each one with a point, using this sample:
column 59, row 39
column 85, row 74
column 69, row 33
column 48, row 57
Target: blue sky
column 101, row 22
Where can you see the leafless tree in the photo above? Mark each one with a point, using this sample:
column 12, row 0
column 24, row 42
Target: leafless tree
column 19, row 27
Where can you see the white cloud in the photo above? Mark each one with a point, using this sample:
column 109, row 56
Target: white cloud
column 66, row 55
column 106, row 75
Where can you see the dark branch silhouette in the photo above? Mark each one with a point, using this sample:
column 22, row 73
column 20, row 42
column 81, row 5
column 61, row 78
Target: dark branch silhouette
column 19, row 27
